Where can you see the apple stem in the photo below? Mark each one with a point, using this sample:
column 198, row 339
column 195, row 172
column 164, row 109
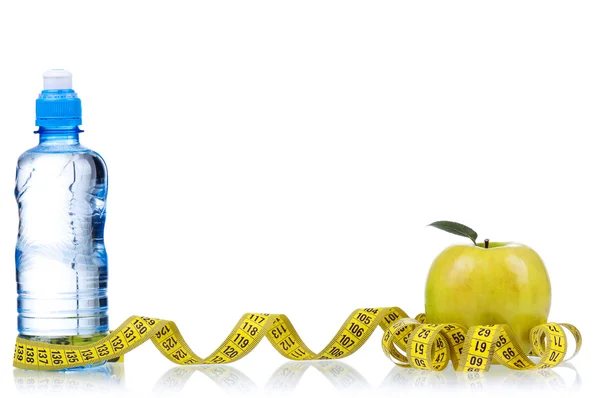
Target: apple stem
column 487, row 243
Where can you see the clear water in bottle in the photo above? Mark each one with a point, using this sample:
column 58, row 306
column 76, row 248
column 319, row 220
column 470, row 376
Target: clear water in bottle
column 61, row 261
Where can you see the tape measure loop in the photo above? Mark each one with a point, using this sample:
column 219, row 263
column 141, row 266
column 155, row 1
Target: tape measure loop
column 406, row 341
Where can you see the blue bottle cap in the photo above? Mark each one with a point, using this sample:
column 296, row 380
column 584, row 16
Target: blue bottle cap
column 58, row 104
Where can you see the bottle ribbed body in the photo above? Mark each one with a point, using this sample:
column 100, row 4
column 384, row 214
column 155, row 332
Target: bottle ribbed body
column 61, row 261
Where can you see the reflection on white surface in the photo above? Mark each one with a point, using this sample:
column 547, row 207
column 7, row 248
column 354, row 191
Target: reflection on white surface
column 285, row 379
column 225, row 376
column 497, row 379
column 347, row 379
column 341, row 375
column 101, row 379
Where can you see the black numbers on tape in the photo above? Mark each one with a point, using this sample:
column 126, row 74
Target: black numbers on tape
column 480, row 346
column 277, row 332
column 389, row 318
column 476, row 361
column 230, row 352
column 420, row 362
column 554, row 356
column 129, row 334
column 103, row 350
column 252, row 330
column 419, row 348
column 71, row 356
column 519, row 364
column 484, row 332
column 139, row 325
column 553, row 328
column 298, row 353
column 117, row 343
column 180, row 354
column 501, row 341
column 346, row 341
column 20, row 351
column 373, row 311
column 508, row 353
column 423, row 333
column 440, row 357
column 557, row 341
column 149, row 321
column 448, row 328
column 56, row 357
column 169, row 343
column 218, row 359
column 287, row 343
column 87, row 355
column 439, row 343
column 30, row 356
column 241, row 340
column 42, row 356
column 458, row 337
column 162, row 332
column 364, row 318
column 336, row 352
column 257, row 318
column 356, row 330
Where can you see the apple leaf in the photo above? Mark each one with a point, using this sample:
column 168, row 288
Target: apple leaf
column 456, row 229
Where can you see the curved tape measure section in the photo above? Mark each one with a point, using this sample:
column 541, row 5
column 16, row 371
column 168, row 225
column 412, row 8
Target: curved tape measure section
column 433, row 346
column 427, row 346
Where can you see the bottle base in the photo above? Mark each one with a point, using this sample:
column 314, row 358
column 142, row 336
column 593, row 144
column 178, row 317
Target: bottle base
column 70, row 340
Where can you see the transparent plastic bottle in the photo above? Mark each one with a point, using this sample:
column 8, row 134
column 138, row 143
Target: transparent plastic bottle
column 61, row 262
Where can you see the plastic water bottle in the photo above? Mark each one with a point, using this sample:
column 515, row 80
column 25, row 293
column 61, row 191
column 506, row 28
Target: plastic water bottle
column 60, row 257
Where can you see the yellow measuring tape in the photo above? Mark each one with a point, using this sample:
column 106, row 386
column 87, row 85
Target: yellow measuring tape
column 426, row 346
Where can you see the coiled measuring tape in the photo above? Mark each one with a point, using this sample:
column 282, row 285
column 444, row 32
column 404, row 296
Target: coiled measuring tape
column 425, row 346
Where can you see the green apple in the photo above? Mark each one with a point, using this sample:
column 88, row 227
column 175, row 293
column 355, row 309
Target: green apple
column 489, row 283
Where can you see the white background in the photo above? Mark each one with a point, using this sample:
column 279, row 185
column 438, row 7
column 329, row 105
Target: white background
column 286, row 156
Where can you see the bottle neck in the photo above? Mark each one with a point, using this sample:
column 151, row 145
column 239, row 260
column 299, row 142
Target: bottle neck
column 59, row 135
